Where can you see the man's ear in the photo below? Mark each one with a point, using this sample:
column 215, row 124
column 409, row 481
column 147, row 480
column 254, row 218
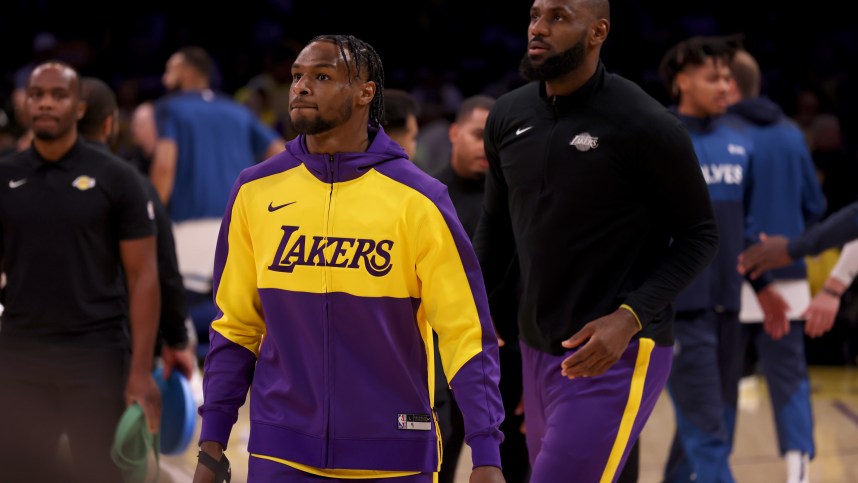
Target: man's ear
column 110, row 127
column 600, row 32
column 453, row 132
column 367, row 93
column 81, row 109
column 680, row 84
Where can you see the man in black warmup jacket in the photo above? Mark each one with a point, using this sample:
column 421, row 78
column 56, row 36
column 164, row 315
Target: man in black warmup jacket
column 597, row 188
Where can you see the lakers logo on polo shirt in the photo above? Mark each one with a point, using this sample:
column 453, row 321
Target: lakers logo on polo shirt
column 83, row 183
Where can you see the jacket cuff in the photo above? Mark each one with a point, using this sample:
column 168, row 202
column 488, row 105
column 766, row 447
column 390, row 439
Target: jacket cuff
column 216, row 426
column 761, row 282
column 637, row 319
column 797, row 249
column 485, row 450
column 175, row 337
column 178, row 344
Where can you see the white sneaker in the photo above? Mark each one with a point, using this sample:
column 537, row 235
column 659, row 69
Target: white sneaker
column 798, row 466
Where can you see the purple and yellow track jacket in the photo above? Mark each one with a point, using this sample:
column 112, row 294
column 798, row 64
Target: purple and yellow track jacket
column 330, row 274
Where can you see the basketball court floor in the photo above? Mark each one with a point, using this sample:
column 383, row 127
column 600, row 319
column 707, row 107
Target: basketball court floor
column 755, row 459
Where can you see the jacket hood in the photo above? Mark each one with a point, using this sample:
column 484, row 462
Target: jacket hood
column 759, row 111
column 347, row 166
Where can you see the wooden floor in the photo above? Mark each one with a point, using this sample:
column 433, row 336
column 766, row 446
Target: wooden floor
column 754, row 460
column 755, row 457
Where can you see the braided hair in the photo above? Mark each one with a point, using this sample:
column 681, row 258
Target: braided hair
column 366, row 62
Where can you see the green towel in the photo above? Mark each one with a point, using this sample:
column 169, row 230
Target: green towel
column 132, row 444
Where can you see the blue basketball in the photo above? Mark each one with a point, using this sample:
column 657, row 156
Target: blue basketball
column 178, row 412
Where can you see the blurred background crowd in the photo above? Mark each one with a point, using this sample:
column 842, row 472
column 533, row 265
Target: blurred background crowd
column 441, row 52
column 440, row 49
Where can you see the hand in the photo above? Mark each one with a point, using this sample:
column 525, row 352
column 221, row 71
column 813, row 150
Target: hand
column 770, row 253
column 182, row 359
column 606, row 339
column 820, row 314
column 486, row 474
column 142, row 389
column 775, row 308
column 203, row 474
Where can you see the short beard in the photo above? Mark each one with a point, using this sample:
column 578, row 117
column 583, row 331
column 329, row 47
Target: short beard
column 317, row 125
column 43, row 135
column 554, row 66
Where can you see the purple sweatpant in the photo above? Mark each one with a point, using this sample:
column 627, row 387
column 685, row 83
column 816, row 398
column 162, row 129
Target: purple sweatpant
column 582, row 430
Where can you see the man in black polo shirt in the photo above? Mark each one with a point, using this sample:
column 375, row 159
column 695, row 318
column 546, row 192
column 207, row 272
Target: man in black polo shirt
column 73, row 219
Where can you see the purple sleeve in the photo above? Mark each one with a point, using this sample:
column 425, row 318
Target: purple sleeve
column 229, row 367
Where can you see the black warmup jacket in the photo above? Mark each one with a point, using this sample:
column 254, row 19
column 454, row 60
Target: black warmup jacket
column 601, row 194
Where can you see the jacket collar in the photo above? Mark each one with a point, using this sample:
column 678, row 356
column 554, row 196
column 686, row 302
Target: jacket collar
column 339, row 167
column 579, row 96
column 66, row 162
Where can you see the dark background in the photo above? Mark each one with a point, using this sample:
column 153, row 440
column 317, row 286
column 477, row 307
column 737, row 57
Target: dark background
column 473, row 43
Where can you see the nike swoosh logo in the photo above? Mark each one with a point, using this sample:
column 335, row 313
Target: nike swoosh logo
column 271, row 206
column 523, row 130
column 14, row 184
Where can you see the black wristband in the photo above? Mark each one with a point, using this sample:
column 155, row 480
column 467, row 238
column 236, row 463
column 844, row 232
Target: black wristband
column 219, row 468
column 832, row 292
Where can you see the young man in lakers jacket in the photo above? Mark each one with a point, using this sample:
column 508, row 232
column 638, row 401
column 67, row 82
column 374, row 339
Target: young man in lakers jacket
column 335, row 261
